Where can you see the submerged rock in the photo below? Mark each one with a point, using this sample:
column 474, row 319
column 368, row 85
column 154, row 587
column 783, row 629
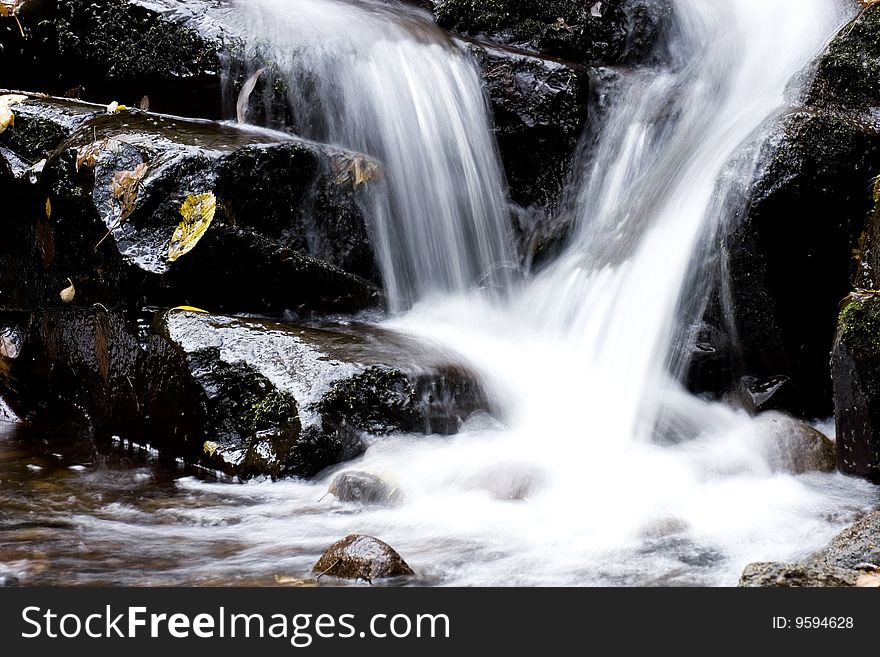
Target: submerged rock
column 796, row 575
column 855, row 363
column 364, row 488
column 793, row 446
column 362, row 557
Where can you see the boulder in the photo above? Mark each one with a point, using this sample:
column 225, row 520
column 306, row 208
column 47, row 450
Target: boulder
column 793, row 446
column 362, row 557
column 606, row 32
column 855, row 364
column 286, row 211
column 244, row 397
column 364, row 488
column 788, row 262
column 796, row 575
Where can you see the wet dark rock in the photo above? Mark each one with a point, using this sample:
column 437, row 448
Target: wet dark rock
column 324, row 388
column 538, row 110
column 793, row 446
column 245, row 397
column 796, row 575
column 610, row 31
column 286, row 212
column 362, row 557
column 848, row 72
column 364, row 488
column 105, row 50
column 855, row 366
column 789, row 257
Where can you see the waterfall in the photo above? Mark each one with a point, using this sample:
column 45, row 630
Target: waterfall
column 572, row 483
column 383, row 80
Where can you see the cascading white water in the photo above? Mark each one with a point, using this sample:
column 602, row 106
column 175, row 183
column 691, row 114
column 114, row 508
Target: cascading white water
column 383, row 80
column 570, row 487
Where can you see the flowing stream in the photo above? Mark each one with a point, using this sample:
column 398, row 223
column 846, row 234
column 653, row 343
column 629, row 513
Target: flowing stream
column 572, row 483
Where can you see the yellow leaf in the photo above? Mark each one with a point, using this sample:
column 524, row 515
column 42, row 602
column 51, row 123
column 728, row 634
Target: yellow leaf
column 115, row 107
column 68, row 293
column 7, row 118
column 190, row 309
column 198, row 213
column 48, row 208
column 210, row 448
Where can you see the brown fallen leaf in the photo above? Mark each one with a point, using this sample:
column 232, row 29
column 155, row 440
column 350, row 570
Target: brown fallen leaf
column 198, row 212
column 48, row 208
column 68, row 293
column 7, row 118
column 145, row 103
column 124, row 189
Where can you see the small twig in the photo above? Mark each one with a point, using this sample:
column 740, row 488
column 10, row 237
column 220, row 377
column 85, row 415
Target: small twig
column 335, row 563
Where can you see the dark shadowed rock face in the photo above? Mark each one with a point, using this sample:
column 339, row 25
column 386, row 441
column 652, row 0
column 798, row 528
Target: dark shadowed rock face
column 855, row 366
column 611, row 31
column 362, row 557
column 538, row 112
column 796, row 575
column 105, row 50
column 789, row 262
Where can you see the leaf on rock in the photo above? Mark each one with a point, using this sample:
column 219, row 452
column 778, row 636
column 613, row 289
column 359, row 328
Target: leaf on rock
column 88, row 155
column 198, row 213
column 68, row 293
column 48, row 208
column 7, row 118
column 124, row 189
column 115, row 107
column 354, row 169
column 210, row 448
column 125, row 186
column 190, row 309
